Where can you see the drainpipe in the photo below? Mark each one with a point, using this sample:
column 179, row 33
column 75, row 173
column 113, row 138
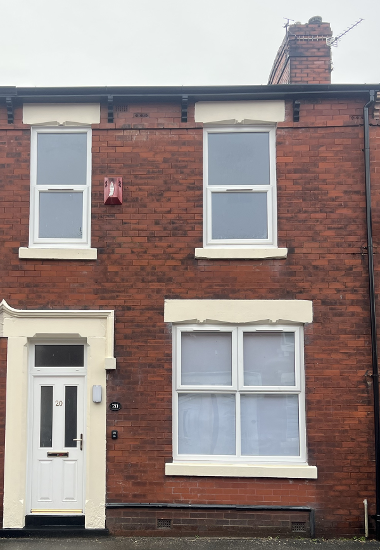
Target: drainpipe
column 371, row 280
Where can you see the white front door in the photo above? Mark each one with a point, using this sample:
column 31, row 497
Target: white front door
column 58, row 444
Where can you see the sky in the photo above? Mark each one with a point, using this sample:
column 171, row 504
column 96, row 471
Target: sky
column 173, row 42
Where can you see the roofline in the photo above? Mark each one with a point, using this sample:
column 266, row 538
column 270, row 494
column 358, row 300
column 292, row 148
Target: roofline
column 170, row 93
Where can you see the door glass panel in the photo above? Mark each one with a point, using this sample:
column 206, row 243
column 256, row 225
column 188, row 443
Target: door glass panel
column 59, row 356
column 46, row 420
column 70, row 416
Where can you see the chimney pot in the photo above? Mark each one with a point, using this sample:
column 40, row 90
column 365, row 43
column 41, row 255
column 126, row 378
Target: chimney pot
column 315, row 19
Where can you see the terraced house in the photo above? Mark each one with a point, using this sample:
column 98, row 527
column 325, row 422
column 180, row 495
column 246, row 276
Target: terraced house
column 188, row 280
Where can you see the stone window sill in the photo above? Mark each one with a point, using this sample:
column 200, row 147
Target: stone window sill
column 291, row 471
column 58, row 253
column 240, row 253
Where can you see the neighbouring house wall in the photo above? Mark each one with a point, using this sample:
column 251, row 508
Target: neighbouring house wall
column 146, row 255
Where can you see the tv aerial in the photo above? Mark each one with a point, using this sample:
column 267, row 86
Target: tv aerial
column 333, row 41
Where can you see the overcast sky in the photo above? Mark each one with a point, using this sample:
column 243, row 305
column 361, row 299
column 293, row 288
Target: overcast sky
column 172, row 42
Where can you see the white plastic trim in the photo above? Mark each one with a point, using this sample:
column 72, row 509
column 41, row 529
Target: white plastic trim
column 238, row 311
column 58, row 253
column 240, row 253
column 290, row 471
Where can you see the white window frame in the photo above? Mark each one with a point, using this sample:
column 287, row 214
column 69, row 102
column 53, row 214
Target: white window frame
column 35, row 190
column 271, row 241
column 237, row 388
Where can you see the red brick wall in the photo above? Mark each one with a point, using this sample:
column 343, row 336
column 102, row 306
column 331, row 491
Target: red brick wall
column 146, row 254
column 218, row 522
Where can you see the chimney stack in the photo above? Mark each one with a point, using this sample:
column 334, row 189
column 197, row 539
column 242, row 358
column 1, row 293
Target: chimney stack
column 304, row 56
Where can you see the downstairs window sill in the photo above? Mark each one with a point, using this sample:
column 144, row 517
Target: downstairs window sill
column 240, row 253
column 58, row 253
column 290, row 471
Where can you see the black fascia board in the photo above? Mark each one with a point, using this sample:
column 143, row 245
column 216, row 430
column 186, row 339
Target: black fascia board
column 7, row 91
column 170, row 93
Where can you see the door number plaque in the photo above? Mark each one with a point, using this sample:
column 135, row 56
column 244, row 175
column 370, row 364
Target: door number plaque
column 115, row 406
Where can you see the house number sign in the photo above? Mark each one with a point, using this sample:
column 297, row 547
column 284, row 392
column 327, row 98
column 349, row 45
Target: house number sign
column 115, row 406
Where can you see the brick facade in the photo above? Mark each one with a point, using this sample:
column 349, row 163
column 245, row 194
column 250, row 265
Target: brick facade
column 146, row 255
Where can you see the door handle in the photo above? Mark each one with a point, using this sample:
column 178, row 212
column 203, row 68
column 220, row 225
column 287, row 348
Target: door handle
column 81, row 441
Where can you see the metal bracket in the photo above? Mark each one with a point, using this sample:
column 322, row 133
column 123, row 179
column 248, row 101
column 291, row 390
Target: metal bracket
column 10, row 112
column 110, row 108
column 376, row 107
column 296, row 110
column 184, row 107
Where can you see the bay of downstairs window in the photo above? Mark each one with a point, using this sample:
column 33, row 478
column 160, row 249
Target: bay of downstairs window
column 239, row 394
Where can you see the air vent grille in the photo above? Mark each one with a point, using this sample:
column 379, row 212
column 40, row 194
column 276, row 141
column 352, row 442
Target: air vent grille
column 164, row 523
column 298, row 527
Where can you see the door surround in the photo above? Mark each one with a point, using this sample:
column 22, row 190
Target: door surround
column 21, row 327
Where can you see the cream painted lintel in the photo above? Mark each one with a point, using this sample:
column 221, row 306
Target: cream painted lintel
column 240, row 112
column 7, row 311
column 58, row 253
column 54, row 114
column 240, row 253
column 238, row 311
column 290, row 471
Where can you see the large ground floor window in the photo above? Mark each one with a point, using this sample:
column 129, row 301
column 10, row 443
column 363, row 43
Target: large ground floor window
column 239, row 393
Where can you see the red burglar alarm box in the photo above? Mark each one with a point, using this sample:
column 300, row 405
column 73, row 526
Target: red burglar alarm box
column 113, row 190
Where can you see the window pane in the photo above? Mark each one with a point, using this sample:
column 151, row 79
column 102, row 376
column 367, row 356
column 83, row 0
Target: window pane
column 269, row 359
column 239, row 216
column 61, row 159
column 61, row 215
column 269, row 425
column 59, row 356
column 238, row 158
column 70, row 416
column 46, row 421
column 206, row 424
column 206, row 358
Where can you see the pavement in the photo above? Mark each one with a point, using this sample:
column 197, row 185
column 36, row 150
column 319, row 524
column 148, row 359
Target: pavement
column 145, row 543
